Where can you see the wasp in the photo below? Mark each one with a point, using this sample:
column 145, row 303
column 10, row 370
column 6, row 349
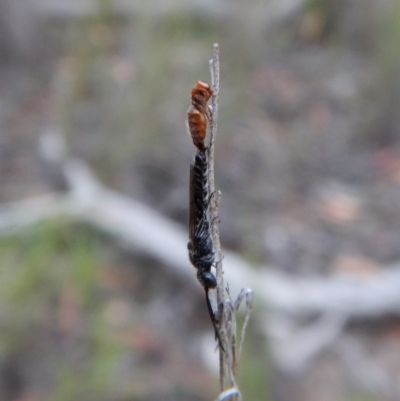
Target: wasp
column 199, row 186
column 200, row 245
column 199, row 114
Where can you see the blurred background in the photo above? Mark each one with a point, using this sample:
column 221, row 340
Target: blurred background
column 307, row 160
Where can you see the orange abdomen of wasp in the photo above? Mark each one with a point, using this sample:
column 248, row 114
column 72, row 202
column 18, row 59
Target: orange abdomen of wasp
column 198, row 127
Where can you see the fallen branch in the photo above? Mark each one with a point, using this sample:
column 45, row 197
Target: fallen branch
column 281, row 298
column 140, row 227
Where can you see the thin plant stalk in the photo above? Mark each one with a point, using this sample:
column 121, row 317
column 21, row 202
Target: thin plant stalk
column 214, row 70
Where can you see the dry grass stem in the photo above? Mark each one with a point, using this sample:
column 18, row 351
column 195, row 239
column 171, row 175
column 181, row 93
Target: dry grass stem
column 214, row 70
column 226, row 309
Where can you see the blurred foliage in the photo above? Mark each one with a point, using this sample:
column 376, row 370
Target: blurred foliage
column 59, row 324
column 124, row 81
column 389, row 45
column 51, row 301
column 254, row 373
column 360, row 397
column 294, row 96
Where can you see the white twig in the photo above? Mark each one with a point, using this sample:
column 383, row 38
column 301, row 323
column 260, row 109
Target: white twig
column 136, row 226
column 140, row 227
column 248, row 294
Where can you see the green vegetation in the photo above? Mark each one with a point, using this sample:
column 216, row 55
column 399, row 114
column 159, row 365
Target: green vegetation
column 52, row 311
column 254, row 368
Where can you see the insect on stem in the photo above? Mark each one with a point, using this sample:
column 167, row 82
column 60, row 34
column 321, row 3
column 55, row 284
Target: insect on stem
column 199, row 115
column 200, row 246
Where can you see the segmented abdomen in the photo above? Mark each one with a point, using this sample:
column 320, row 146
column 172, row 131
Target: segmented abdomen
column 197, row 123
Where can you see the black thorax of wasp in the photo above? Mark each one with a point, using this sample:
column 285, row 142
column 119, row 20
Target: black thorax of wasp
column 200, row 246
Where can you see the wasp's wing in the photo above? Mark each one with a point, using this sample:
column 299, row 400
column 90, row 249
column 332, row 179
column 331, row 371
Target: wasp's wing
column 192, row 209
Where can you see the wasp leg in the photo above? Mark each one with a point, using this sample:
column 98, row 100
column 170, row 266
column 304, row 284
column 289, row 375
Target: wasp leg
column 214, row 321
